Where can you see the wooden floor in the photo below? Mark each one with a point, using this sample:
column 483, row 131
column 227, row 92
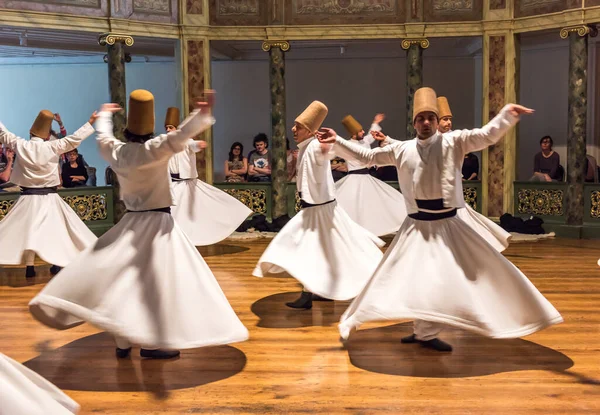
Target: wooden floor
column 294, row 363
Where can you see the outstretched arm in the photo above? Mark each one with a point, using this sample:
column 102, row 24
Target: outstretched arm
column 480, row 138
column 8, row 138
column 372, row 157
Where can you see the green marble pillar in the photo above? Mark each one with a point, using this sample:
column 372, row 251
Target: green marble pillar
column 278, row 146
column 414, row 76
column 115, row 44
column 576, row 132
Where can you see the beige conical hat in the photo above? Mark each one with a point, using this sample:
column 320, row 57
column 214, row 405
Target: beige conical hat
column 172, row 117
column 313, row 116
column 352, row 126
column 140, row 118
column 425, row 100
column 42, row 124
column 443, row 107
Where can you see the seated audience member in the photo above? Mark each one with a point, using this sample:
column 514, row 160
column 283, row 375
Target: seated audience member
column 236, row 166
column 339, row 169
column 259, row 165
column 292, row 160
column 546, row 163
column 470, row 167
column 7, row 157
column 74, row 173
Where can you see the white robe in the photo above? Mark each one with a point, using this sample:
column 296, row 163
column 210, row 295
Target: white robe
column 206, row 214
column 321, row 246
column 44, row 224
column 24, row 392
column 442, row 271
column 386, row 210
column 143, row 281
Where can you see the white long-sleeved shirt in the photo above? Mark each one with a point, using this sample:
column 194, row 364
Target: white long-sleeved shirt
column 143, row 169
column 426, row 170
column 314, row 179
column 184, row 163
column 37, row 161
column 365, row 143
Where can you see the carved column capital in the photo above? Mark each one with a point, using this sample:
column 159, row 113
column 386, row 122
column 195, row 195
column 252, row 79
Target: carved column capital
column 407, row 43
column 112, row 38
column 284, row 45
column 582, row 30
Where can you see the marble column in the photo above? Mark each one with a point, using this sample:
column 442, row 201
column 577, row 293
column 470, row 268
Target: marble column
column 278, row 146
column 414, row 76
column 116, row 59
column 197, row 73
column 577, row 121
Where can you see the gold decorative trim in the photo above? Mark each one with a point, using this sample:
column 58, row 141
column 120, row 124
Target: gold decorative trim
column 470, row 196
column 540, row 202
column 297, row 203
column 89, row 208
column 407, row 43
column 595, row 206
column 284, row 45
column 111, row 38
column 582, row 30
column 255, row 199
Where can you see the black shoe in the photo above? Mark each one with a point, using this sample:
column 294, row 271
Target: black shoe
column 305, row 301
column 159, row 354
column 316, row 297
column 409, row 339
column 436, row 344
column 30, row 271
column 123, row 353
column 55, row 269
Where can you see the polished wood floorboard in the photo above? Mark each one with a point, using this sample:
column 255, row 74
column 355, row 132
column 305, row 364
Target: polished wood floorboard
column 294, row 363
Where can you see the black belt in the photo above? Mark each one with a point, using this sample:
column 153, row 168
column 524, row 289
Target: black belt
column 305, row 204
column 162, row 210
column 359, row 171
column 176, row 177
column 28, row 191
column 434, row 204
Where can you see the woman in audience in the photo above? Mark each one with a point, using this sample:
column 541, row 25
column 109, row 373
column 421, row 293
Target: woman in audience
column 74, row 173
column 546, row 163
column 236, row 167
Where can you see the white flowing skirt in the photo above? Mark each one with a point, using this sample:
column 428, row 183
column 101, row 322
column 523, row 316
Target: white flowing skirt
column 45, row 224
column 206, row 214
column 325, row 250
column 24, row 392
column 486, row 228
column 373, row 204
column 145, row 282
column 443, row 272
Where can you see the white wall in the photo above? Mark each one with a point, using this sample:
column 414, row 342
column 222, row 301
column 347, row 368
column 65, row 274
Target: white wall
column 544, row 87
column 347, row 86
column 75, row 91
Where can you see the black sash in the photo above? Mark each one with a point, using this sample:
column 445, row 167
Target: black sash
column 359, row 171
column 434, row 204
column 305, row 204
column 162, row 210
column 28, row 191
column 176, row 177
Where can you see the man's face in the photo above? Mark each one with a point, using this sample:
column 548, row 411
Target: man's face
column 301, row 133
column 260, row 146
column 360, row 135
column 445, row 124
column 170, row 128
column 426, row 124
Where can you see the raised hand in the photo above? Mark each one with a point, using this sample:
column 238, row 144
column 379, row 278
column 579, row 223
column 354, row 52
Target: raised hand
column 517, row 110
column 202, row 144
column 208, row 102
column 326, row 135
column 57, row 118
column 378, row 135
column 378, row 118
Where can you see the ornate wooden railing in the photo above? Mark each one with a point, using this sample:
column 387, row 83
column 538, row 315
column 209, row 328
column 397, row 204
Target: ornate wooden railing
column 545, row 200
